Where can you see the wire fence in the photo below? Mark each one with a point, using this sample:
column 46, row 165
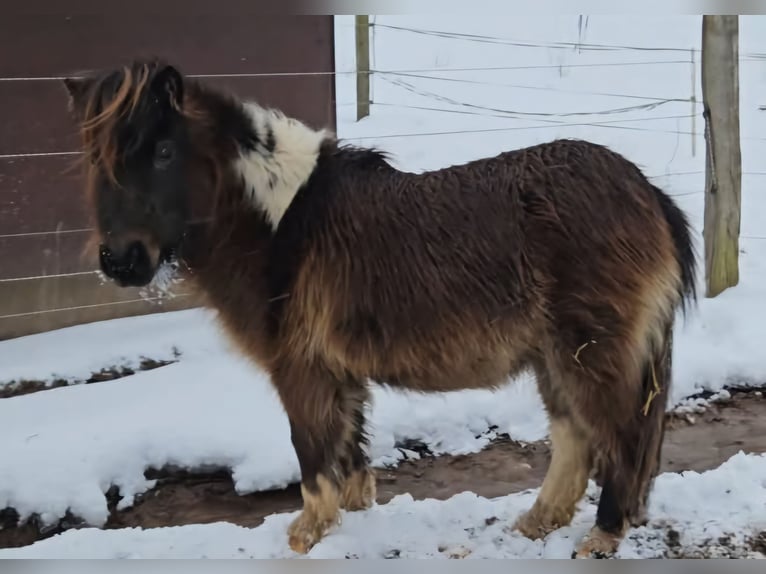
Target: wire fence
column 569, row 46
column 406, row 78
column 90, row 306
column 375, row 70
column 424, row 76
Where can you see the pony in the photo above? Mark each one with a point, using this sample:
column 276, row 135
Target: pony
column 331, row 269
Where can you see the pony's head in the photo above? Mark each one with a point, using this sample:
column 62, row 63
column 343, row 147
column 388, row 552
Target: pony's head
column 139, row 156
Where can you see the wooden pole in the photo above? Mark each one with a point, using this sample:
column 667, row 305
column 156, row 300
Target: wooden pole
column 362, row 67
column 723, row 173
column 694, row 103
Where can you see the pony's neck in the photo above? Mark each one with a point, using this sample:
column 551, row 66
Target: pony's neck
column 278, row 160
column 227, row 261
column 264, row 159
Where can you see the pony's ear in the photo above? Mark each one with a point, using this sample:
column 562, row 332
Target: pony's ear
column 77, row 89
column 168, row 86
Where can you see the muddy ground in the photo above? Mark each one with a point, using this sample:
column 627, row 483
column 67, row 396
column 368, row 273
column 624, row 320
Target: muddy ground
column 693, row 442
column 26, row 387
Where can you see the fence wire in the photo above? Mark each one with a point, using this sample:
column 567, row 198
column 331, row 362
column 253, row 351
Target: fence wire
column 91, row 306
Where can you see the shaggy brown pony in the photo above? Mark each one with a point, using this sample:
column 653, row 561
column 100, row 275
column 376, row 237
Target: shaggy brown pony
column 331, row 268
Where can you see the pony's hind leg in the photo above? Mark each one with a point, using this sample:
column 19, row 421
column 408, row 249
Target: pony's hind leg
column 359, row 487
column 631, row 440
column 359, row 490
column 567, row 476
column 656, row 381
column 326, row 421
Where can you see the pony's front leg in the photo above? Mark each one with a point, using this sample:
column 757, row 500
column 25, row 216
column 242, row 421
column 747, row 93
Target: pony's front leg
column 321, row 509
column 326, row 422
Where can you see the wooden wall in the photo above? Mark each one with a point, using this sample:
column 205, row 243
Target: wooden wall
column 45, row 282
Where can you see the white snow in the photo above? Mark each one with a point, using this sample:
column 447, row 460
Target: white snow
column 62, row 449
column 75, row 353
column 722, row 342
column 701, row 508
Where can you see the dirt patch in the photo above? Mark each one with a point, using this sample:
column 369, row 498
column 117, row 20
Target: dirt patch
column 26, row 387
column 185, row 498
column 693, row 442
column 704, row 440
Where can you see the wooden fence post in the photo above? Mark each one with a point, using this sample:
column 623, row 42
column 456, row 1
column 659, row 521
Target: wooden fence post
column 362, row 67
column 723, row 172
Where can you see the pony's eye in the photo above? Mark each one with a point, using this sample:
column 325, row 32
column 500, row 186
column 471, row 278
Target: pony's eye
column 163, row 153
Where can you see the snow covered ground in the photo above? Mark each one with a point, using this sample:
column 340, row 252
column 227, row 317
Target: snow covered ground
column 62, row 449
column 717, row 514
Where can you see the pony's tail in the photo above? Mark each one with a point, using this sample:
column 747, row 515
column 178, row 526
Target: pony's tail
column 687, row 261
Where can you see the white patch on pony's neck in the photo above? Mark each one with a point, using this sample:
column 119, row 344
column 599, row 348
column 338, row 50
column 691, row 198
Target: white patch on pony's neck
column 273, row 176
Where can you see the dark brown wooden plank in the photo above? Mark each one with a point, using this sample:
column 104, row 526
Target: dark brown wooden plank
column 37, row 305
column 222, row 42
column 41, row 194
column 38, row 194
column 35, row 119
column 53, row 254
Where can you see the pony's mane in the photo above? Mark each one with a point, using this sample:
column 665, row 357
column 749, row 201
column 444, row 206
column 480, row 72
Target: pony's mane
column 372, row 156
column 111, row 100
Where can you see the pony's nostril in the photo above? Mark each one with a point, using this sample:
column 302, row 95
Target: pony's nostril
column 130, row 266
column 107, row 262
column 135, row 254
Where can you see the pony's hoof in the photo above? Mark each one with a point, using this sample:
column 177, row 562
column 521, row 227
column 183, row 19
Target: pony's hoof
column 536, row 525
column 531, row 527
column 300, row 544
column 306, row 531
column 598, row 544
column 359, row 491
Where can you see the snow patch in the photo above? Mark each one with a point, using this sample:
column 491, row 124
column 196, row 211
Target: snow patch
column 721, row 512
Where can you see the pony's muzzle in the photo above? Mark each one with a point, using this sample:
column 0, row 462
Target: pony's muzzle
column 132, row 267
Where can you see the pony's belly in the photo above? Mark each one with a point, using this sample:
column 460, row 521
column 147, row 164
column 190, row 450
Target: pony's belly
column 478, row 373
column 449, row 356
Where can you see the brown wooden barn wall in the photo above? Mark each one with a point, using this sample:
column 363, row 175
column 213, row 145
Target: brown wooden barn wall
column 40, row 193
